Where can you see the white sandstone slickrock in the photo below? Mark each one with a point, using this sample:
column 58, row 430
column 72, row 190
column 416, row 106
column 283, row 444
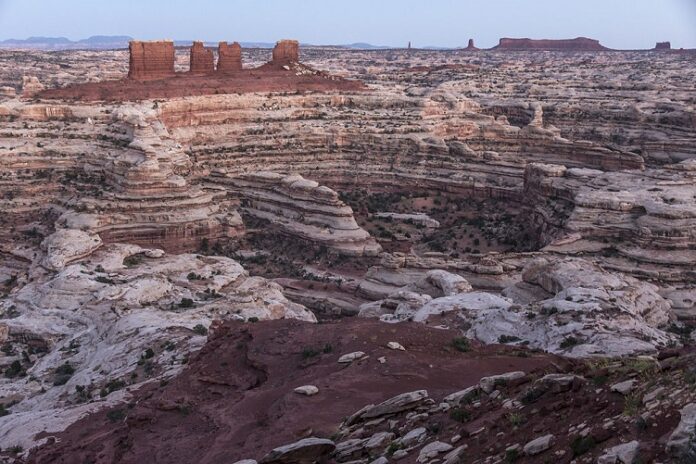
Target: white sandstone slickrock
column 583, row 311
column 625, row 453
column 103, row 311
column 303, row 208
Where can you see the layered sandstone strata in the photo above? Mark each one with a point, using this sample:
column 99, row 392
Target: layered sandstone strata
column 578, row 44
column 304, row 209
column 147, row 199
column 286, row 51
column 202, row 59
column 229, row 57
column 151, row 60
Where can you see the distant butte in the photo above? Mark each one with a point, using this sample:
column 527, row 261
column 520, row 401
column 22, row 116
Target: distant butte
column 578, row 44
column 151, row 75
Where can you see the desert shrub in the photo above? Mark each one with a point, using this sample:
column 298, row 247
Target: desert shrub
column 461, row 344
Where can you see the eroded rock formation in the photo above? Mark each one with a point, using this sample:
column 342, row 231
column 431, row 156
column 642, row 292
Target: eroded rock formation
column 578, row 44
column 229, row 57
column 202, row 59
column 286, row 51
column 304, row 209
column 151, row 60
column 663, row 46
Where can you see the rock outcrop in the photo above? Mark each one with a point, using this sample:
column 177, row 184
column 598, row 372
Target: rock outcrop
column 471, row 46
column 229, row 57
column 663, row 46
column 568, row 306
column 286, row 51
column 31, row 86
column 303, row 209
column 202, row 59
column 146, row 198
column 579, row 44
column 151, row 60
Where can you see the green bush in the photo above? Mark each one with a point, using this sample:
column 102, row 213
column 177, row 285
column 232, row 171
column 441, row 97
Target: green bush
column 200, row 329
column 461, row 344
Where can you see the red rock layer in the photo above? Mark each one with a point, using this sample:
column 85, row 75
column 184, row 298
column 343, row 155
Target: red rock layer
column 286, row 51
column 229, row 57
column 237, row 392
column 151, row 60
column 202, row 59
column 579, row 44
column 663, row 46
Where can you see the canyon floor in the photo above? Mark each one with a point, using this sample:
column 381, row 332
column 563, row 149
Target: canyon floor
column 369, row 257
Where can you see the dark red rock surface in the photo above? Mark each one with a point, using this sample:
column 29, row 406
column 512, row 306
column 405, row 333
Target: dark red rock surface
column 286, row 51
column 578, row 44
column 202, row 59
column 229, row 57
column 151, row 60
column 663, row 46
column 235, row 400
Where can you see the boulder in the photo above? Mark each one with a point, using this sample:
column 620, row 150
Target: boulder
column 305, row 451
column 538, row 445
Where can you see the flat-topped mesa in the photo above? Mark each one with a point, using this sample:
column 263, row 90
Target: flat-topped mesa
column 151, row 60
column 578, row 44
column 202, row 59
column 229, row 57
column 286, row 51
column 663, row 46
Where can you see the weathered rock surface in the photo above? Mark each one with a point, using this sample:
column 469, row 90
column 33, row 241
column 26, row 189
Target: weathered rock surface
column 286, row 51
column 151, row 60
column 202, row 59
column 229, row 57
column 304, row 209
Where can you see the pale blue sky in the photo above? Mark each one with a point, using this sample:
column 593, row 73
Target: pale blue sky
column 616, row 23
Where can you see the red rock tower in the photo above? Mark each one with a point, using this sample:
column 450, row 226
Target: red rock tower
column 229, row 57
column 286, row 51
column 151, row 60
column 471, row 46
column 202, row 59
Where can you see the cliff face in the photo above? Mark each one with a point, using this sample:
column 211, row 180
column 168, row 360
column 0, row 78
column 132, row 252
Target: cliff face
column 286, row 51
column 663, row 46
column 229, row 57
column 202, row 59
column 578, row 44
column 151, row 60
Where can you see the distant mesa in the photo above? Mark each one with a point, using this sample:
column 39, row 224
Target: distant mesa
column 663, row 46
column 578, row 44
